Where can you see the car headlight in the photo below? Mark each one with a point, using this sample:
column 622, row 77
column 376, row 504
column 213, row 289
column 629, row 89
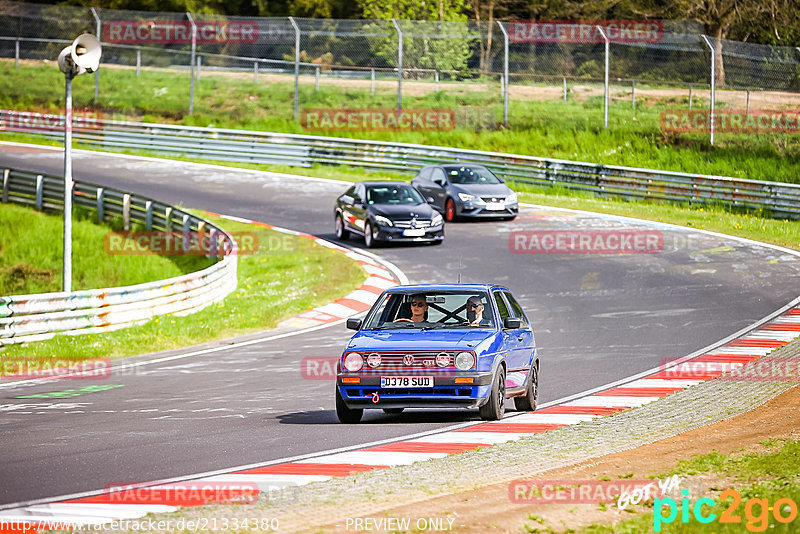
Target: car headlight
column 466, row 197
column 465, row 361
column 511, row 199
column 380, row 220
column 437, row 220
column 353, row 362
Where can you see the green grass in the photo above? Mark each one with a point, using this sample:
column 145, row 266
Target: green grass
column 286, row 276
column 31, row 246
column 771, row 475
column 547, row 128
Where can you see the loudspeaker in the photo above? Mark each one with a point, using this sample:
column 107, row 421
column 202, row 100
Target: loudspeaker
column 82, row 56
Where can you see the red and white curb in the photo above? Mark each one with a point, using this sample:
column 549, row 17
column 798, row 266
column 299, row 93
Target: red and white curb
column 359, row 301
column 168, row 497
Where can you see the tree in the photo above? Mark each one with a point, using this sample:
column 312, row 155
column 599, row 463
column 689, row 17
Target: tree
column 440, row 44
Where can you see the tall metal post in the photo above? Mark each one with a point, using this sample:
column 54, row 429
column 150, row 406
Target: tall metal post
column 605, row 79
column 296, row 66
column 192, row 61
column 138, row 60
column 505, row 72
column 99, row 38
column 66, row 271
column 713, row 86
column 399, row 66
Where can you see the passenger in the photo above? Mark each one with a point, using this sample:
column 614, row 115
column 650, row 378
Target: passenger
column 475, row 312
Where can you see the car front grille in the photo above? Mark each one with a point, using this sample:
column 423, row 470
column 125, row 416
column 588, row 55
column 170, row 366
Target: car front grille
column 493, row 199
column 420, row 223
column 421, row 360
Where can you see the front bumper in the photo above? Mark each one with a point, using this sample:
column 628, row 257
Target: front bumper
column 469, row 209
column 445, row 393
column 393, row 234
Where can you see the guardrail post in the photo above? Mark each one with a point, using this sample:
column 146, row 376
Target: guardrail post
column 126, row 212
column 99, row 38
column 255, row 72
column 505, row 72
column 138, row 60
column 6, row 173
column 101, row 197
column 713, row 85
column 605, row 78
column 191, row 62
column 296, row 66
column 39, row 192
column 187, row 227
column 399, row 66
column 148, row 215
column 168, row 219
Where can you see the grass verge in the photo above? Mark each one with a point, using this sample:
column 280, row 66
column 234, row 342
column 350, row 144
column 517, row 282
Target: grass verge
column 287, row 275
column 31, row 245
column 764, row 486
column 539, row 124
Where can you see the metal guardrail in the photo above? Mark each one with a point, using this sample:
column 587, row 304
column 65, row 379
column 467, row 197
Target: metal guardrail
column 35, row 317
column 776, row 198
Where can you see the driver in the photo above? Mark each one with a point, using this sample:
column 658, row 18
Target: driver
column 419, row 307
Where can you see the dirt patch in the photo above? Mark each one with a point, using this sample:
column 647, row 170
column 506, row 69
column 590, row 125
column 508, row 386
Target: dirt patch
column 490, row 509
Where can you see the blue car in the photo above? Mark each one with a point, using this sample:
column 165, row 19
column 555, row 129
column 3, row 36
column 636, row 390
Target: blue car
column 439, row 346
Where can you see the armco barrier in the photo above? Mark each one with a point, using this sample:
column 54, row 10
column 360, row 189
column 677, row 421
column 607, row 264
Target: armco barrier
column 779, row 199
column 35, row 317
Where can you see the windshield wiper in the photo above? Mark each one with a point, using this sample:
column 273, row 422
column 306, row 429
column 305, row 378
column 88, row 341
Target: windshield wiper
column 389, row 326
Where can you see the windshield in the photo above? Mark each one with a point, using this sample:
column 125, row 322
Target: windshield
column 470, row 175
column 432, row 309
column 394, row 194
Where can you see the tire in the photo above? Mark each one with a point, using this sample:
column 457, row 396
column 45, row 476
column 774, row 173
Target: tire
column 527, row 402
column 345, row 414
column 369, row 239
column 341, row 233
column 495, row 408
column 450, row 210
column 393, row 411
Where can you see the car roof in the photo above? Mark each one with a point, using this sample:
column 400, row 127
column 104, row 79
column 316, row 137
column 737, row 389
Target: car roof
column 371, row 183
column 459, row 165
column 421, row 288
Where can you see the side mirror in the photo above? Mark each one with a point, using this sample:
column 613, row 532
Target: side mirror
column 440, row 183
column 511, row 323
column 430, row 200
column 357, row 203
column 355, row 324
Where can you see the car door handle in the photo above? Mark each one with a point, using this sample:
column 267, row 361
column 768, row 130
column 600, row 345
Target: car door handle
column 520, row 338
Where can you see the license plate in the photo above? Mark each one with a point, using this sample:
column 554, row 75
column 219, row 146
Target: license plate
column 495, row 206
column 414, row 232
column 406, row 382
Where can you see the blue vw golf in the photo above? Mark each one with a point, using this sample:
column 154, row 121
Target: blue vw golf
column 439, row 346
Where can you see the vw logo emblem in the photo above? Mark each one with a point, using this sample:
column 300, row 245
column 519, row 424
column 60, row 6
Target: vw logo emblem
column 408, row 359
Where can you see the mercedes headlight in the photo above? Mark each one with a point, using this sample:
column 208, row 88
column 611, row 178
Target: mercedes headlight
column 353, row 362
column 466, row 197
column 465, row 361
column 437, row 220
column 380, row 220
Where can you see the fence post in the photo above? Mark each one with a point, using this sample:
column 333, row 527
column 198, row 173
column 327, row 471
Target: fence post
column 101, row 204
column 690, row 96
column 372, row 88
column 97, row 72
column 605, row 79
column 565, row 89
column 296, row 65
column 713, row 85
column 505, row 73
column 6, row 172
column 255, row 72
column 199, row 66
column 316, row 80
column 747, row 105
column 16, row 52
column 138, row 60
column 436, row 79
column 633, row 94
column 399, row 66
column 191, row 62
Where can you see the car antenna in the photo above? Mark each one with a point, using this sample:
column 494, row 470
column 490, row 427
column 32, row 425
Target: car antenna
column 459, row 269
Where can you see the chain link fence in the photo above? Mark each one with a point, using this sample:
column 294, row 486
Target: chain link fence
column 600, row 64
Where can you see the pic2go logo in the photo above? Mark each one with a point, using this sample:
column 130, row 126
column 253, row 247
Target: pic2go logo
column 784, row 511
